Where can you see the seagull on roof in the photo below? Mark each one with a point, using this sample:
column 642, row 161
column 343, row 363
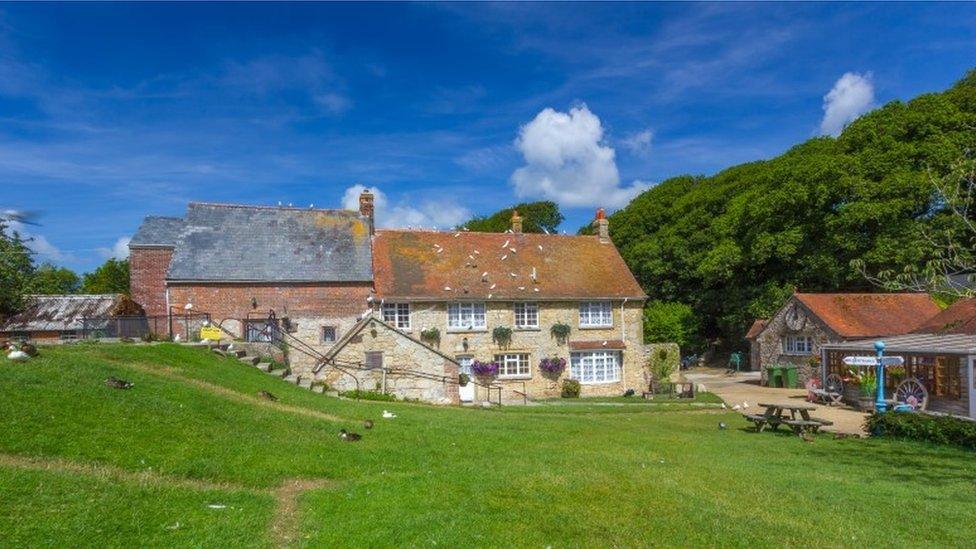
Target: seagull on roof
column 476, row 252
column 539, row 246
column 447, row 288
column 457, row 235
column 504, row 257
column 492, row 287
column 512, row 250
column 545, row 231
column 513, row 275
column 505, row 245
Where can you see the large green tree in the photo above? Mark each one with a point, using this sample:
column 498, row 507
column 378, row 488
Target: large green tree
column 112, row 277
column 50, row 279
column 734, row 245
column 16, row 269
column 536, row 217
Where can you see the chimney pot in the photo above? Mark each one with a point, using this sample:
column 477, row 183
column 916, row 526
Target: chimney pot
column 603, row 225
column 366, row 208
column 516, row 222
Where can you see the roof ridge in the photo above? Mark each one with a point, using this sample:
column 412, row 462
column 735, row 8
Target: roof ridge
column 262, row 207
column 452, row 231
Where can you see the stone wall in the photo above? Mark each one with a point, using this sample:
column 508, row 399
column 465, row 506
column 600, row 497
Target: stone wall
column 403, row 358
column 147, row 278
column 770, row 344
column 539, row 343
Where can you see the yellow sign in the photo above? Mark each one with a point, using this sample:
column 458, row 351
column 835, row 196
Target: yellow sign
column 210, row 332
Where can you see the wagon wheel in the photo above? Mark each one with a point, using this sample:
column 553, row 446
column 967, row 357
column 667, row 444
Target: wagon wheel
column 834, row 387
column 913, row 393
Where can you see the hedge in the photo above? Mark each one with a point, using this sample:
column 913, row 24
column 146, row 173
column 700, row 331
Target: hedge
column 912, row 426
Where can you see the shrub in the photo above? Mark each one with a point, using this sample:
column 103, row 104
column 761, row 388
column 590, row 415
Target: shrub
column 913, row 426
column 571, row 388
column 149, row 337
column 368, row 395
column 629, row 393
column 670, row 322
column 661, row 364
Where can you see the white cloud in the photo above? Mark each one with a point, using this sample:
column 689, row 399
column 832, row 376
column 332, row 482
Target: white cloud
column 851, row 96
column 639, row 142
column 119, row 250
column 39, row 244
column 440, row 214
column 568, row 161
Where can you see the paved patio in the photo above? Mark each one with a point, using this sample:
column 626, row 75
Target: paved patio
column 744, row 388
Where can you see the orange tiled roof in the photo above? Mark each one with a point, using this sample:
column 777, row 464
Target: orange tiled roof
column 756, row 327
column 870, row 315
column 958, row 318
column 432, row 265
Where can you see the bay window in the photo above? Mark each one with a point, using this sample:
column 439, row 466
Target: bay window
column 595, row 366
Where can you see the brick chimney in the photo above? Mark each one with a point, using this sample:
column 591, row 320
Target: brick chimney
column 603, row 226
column 366, row 208
column 516, row 222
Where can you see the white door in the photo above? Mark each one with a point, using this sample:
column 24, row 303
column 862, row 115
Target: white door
column 972, row 387
column 466, row 393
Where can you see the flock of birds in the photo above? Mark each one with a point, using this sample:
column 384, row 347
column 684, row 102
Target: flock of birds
column 19, row 353
column 348, row 436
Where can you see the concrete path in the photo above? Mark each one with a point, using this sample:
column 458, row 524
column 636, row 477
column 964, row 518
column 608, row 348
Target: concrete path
column 744, row 388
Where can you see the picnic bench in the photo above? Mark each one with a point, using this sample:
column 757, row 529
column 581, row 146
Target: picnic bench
column 798, row 418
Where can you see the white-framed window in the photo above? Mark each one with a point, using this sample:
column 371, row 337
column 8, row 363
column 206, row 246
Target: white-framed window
column 595, row 366
column 397, row 314
column 526, row 315
column 797, row 345
column 513, row 365
column 466, row 316
column 595, row 314
column 328, row 334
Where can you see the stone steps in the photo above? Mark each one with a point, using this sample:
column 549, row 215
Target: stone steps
column 252, row 360
column 279, row 373
column 264, row 366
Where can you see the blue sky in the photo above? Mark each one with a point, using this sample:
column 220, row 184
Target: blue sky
column 110, row 112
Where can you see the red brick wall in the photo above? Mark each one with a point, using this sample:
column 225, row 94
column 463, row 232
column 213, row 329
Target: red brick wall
column 147, row 278
column 224, row 301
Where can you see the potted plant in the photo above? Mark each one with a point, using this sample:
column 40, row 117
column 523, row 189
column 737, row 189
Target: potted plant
column 868, row 383
column 502, row 335
column 552, row 367
column 560, row 332
column 486, row 372
column 431, row 336
column 463, row 379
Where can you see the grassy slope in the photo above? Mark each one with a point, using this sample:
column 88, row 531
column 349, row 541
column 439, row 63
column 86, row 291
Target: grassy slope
column 518, row 476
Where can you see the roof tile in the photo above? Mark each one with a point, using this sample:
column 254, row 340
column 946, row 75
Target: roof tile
column 870, row 315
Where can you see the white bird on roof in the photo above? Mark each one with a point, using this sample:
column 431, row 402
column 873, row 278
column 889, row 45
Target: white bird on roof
column 188, row 306
column 447, row 288
column 513, row 275
column 545, row 231
column 476, row 252
column 369, row 299
column 539, row 246
column 535, row 289
column 471, row 257
column 364, row 315
column 484, row 274
column 489, row 296
column 457, row 235
column 505, row 245
column 439, row 250
column 492, row 287
column 604, row 343
column 504, row 257
column 512, row 250
column 521, row 287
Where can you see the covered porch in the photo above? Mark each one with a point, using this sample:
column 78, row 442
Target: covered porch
column 943, row 364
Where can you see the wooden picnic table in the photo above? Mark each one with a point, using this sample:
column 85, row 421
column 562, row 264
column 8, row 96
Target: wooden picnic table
column 776, row 415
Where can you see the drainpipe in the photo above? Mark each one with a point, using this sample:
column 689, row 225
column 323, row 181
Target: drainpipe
column 623, row 339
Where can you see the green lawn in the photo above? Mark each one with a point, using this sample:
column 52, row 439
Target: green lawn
column 190, row 457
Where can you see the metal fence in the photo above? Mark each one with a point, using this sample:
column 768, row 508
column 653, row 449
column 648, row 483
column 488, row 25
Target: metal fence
column 135, row 327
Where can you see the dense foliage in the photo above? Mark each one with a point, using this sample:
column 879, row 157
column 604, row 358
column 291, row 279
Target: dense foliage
column 939, row 429
column 536, row 217
column 734, row 245
column 670, row 323
column 16, row 270
column 49, row 279
column 112, row 277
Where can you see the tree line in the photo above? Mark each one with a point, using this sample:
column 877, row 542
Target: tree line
column 20, row 275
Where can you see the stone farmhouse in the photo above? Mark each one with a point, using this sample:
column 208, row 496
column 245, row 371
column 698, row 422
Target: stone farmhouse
column 403, row 311
column 806, row 322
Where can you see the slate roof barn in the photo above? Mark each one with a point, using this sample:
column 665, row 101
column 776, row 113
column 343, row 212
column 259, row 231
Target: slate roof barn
column 233, row 243
column 62, row 313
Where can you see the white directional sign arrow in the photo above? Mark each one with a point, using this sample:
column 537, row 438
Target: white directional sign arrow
column 860, row 361
column 873, row 361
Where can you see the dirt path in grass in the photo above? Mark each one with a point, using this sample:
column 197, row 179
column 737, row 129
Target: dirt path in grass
column 172, row 373
column 285, row 523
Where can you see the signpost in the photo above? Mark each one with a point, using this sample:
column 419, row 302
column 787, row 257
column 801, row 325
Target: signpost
column 879, row 363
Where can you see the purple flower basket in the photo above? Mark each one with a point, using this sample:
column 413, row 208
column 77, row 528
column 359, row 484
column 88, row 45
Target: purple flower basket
column 552, row 366
column 484, row 370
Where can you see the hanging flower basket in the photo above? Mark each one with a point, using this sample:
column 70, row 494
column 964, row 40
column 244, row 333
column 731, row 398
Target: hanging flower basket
column 502, row 335
column 484, row 371
column 552, row 367
column 559, row 332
